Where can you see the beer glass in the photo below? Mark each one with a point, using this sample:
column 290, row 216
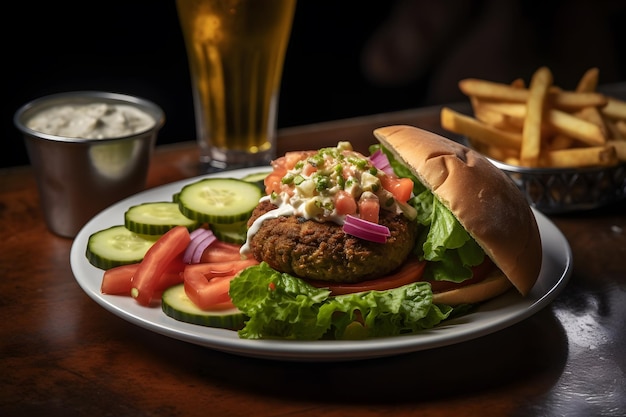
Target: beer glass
column 236, row 51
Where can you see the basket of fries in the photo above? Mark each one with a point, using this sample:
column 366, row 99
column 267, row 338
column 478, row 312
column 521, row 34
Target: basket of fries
column 566, row 150
column 559, row 190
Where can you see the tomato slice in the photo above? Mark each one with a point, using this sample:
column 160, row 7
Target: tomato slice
column 291, row 158
column 173, row 274
column 411, row 271
column 345, row 203
column 207, row 292
column 156, row 260
column 207, row 284
column 401, row 188
column 219, row 251
column 369, row 209
column 273, row 182
column 119, row 280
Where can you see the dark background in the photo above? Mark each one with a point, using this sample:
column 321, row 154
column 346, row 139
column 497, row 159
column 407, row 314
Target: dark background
column 136, row 47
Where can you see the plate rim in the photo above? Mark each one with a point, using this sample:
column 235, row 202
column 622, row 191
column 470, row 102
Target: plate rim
column 509, row 308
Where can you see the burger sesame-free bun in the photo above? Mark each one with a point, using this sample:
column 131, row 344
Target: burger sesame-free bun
column 493, row 285
column 484, row 200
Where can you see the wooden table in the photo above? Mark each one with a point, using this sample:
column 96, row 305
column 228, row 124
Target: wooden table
column 61, row 354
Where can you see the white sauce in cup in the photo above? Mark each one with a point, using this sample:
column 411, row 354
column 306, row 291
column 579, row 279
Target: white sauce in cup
column 91, row 121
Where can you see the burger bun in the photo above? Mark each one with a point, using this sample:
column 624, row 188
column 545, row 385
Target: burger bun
column 485, row 201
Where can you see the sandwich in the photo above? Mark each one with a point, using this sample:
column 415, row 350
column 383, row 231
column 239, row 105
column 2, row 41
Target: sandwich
column 352, row 246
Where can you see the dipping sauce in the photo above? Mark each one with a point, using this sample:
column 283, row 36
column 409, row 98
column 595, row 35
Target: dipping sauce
column 91, row 121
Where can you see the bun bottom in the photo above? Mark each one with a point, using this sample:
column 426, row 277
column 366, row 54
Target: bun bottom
column 493, row 285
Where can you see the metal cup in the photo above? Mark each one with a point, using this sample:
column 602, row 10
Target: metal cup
column 78, row 177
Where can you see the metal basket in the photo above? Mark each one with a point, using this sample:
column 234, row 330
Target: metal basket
column 560, row 190
column 563, row 190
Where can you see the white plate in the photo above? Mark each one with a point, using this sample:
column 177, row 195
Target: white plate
column 491, row 316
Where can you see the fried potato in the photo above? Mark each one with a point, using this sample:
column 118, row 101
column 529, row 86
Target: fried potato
column 615, row 109
column 592, row 115
column 535, row 109
column 518, row 83
column 559, row 142
column 542, row 124
column 576, row 128
column 472, row 128
column 589, row 81
column 570, row 100
column 567, row 100
column 618, row 128
column 620, row 148
column 582, row 157
column 492, row 91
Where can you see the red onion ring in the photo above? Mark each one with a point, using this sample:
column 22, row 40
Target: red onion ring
column 196, row 237
column 200, row 248
column 364, row 229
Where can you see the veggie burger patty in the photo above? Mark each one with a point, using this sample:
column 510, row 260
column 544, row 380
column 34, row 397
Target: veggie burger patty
column 323, row 251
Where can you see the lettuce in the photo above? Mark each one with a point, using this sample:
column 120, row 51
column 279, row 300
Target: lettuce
column 281, row 306
column 450, row 250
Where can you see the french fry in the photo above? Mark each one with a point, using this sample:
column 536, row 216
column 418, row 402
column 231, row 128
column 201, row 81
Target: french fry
column 531, row 133
column 506, row 116
column 587, row 84
column 613, row 131
column 512, row 161
column 497, row 152
column 620, row 127
column 583, row 157
column 559, row 121
column 615, row 109
column 571, row 100
column 566, row 100
column 486, row 115
column 541, row 124
column 589, row 81
column 559, row 142
column 492, row 91
column 518, row 83
column 592, row 115
column 474, row 129
column 580, row 129
column 516, row 110
column 620, row 148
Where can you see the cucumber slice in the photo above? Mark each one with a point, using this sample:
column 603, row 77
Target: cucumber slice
column 176, row 304
column 117, row 246
column 258, row 179
column 219, row 200
column 231, row 233
column 156, row 218
column 259, row 176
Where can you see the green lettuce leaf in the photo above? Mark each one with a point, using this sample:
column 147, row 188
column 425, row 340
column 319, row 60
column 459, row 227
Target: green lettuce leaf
column 450, row 250
column 281, row 306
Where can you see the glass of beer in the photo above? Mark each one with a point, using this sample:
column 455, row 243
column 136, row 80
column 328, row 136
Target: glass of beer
column 236, row 50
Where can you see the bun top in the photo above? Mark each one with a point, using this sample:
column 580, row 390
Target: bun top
column 483, row 198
